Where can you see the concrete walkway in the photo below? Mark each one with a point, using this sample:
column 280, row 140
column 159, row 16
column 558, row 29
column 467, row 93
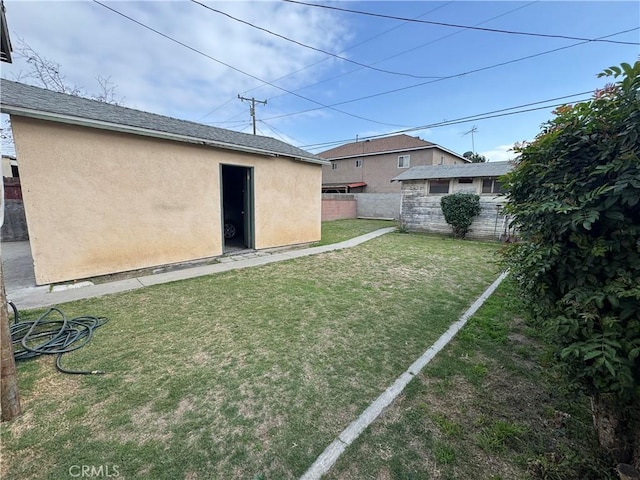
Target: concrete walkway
column 35, row 297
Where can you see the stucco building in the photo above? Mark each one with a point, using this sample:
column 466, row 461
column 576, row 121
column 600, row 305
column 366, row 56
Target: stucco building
column 108, row 189
column 368, row 166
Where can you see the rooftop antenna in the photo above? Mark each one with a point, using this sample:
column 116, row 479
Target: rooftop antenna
column 473, row 130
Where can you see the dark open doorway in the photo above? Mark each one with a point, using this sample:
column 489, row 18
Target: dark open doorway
column 237, row 207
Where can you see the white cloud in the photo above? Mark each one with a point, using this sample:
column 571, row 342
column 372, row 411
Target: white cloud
column 499, row 153
column 154, row 74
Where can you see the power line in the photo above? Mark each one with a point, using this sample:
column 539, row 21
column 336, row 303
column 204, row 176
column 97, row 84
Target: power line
column 273, row 130
column 407, row 51
column 468, row 27
column 435, row 125
column 217, row 108
column 278, row 132
column 469, row 118
column 322, row 105
column 456, row 75
column 327, row 58
column 334, row 55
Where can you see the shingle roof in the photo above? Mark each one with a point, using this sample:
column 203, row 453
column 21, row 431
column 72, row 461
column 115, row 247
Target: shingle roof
column 464, row 170
column 26, row 100
column 394, row 143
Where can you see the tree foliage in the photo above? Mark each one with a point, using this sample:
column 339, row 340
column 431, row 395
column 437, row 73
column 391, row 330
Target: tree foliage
column 474, row 157
column 574, row 196
column 459, row 210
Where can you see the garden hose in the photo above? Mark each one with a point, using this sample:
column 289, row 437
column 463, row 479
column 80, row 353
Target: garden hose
column 53, row 334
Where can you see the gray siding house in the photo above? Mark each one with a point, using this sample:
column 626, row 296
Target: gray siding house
column 423, row 187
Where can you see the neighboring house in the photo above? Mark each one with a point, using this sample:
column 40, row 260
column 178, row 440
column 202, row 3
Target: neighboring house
column 369, row 166
column 108, row 188
column 423, row 188
column 9, row 166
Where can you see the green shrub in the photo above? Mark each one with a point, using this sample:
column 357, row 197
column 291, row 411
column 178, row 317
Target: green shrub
column 459, row 210
column 574, row 197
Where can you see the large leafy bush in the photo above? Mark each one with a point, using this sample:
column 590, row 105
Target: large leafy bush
column 574, row 196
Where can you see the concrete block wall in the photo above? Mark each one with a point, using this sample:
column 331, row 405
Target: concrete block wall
column 336, row 206
column 14, row 228
column 422, row 213
column 378, row 205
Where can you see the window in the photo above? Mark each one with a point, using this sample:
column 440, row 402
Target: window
column 491, row 185
column 438, row 186
column 404, row 161
column 441, row 159
column 358, row 163
column 334, row 166
column 465, row 180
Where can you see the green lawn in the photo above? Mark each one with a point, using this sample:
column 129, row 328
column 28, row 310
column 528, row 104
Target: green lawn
column 487, row 407
column 339, row 230
column 248, row 374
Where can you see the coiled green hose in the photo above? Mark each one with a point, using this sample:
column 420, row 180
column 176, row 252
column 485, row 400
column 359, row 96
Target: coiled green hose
column 49, row 335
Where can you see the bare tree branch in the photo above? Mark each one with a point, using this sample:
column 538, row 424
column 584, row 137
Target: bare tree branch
column 44, row 71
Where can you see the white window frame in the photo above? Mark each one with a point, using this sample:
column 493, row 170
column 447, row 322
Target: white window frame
column 358, row 163
column 402, row 159
column 334, row 166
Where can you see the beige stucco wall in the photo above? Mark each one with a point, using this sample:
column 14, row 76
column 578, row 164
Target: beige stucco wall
column 378, row 170
column 100, row 202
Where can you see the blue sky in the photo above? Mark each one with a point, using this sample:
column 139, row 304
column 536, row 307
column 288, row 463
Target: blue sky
column 155, row 74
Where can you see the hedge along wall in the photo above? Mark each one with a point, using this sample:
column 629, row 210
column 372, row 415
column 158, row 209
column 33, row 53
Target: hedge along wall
column 421, row 212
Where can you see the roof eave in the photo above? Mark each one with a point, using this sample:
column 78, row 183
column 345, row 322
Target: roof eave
column 401, row 150
column 86, row 122
column 447, row 177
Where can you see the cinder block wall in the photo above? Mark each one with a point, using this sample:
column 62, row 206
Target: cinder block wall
column 422, row 213
column 378, row 205
column 14, row 228
column 336, row 206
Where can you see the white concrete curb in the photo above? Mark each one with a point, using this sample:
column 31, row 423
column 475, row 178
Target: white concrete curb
column 330, row 456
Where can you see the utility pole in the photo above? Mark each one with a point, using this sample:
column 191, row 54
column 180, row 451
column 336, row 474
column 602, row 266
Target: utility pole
column 473, row 143
column 9, row 396
column 253, row 109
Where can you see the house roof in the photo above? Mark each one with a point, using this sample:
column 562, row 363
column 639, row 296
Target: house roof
column 379, row 145
column 464, row 170
column 29, row 101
